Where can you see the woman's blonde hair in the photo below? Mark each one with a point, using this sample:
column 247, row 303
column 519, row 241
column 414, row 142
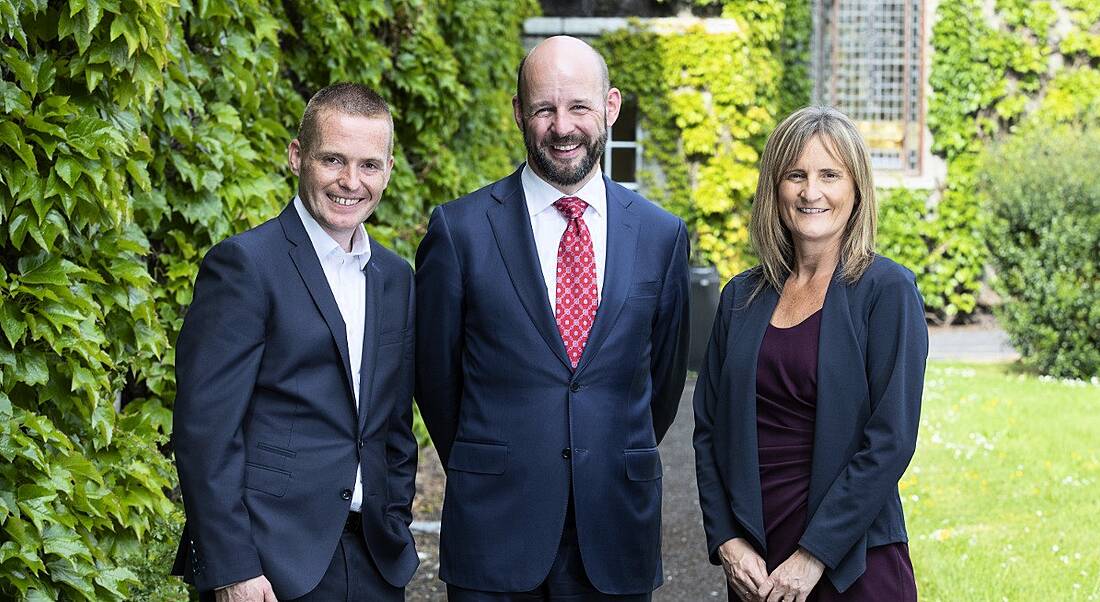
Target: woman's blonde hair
column 770, row 238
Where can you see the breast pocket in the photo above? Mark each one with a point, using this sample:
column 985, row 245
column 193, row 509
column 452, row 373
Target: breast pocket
column 391, row 337
column 645, row 289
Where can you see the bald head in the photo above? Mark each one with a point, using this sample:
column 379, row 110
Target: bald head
column 564, row 105
column 565, row 55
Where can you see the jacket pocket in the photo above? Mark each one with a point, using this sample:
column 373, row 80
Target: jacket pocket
column 643, row 464
column 266, row 479
column 478, row 457
column 389, row 338
column 645, row 289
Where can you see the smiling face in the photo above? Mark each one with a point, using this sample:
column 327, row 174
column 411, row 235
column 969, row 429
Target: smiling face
column 344, row 172
column 565, row 111
column 816, row 196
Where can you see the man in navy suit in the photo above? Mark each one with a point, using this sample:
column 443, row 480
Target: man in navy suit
column 293, row 416
column 551, row 339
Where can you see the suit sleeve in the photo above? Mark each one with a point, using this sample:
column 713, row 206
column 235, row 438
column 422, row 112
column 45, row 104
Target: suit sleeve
column 401, row 447
column 719, row 523
column 897, row 349
column 670, row 338
column 439, row 333
column 218, row 356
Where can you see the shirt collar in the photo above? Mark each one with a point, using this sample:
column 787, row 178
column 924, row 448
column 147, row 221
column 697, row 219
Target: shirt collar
column 540, row 194
column 324, row 245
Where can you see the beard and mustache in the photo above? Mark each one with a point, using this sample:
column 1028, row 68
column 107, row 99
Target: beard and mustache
column 564, row 174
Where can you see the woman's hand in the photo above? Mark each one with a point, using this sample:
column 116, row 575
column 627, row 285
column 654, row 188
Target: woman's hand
column 745, row 570
column 793, row 580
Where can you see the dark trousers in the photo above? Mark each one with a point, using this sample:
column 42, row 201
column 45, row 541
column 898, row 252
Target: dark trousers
column 567, row 581
column 351, row 576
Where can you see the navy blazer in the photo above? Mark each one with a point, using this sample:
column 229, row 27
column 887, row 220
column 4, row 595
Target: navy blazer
column 871, row 357
column 266, row 433
column 515, row 426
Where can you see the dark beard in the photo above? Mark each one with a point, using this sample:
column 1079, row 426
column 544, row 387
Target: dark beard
column 565, row 176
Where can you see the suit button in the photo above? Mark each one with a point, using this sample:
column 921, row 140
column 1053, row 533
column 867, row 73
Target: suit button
column 574, row 387
column 362, row 442
column 565, row 453
column 346, row 494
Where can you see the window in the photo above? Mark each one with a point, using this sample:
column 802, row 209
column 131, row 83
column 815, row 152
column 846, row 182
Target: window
column 867, row 61
column 622, row 158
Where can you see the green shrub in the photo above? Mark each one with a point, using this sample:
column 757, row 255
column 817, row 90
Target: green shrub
column 989, row 74
column 902, row 227
column 1042, row 189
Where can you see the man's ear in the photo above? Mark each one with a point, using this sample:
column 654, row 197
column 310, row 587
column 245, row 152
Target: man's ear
column 614, row 104
column 517, row 112
column 294, row 156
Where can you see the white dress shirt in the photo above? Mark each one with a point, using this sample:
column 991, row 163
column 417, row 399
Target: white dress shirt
column 348, row 283
column 548, row 225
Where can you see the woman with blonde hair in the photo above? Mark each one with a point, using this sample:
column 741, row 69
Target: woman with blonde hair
column 807, row 404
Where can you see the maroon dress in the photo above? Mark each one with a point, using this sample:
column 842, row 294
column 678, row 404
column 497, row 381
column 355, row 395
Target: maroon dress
column 786, row 400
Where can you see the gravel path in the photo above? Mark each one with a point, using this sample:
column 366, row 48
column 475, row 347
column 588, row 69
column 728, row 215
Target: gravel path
column 977, row 343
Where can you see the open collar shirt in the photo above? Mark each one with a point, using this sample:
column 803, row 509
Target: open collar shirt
column 348, row 283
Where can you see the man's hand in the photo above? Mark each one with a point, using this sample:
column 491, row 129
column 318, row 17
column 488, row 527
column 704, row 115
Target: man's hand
column 745, row 570
column 256, row 589
column 793, row 580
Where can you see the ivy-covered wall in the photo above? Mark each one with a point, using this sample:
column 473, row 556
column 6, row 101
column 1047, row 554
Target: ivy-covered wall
column 707, row 103
column 993, row 64
column 134, row 135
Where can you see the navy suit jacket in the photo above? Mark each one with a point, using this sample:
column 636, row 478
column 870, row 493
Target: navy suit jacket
column 266, row 433
column 515, row 426
column 871, row 358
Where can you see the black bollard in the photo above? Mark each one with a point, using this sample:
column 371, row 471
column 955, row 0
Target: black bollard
column 705, row 290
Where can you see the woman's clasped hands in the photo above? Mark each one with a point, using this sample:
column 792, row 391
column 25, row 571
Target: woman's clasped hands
column 747, row 575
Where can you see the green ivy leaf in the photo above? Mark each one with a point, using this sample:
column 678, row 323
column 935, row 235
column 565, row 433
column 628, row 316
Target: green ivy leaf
column 116, row 580
column 42, row 269
column 12, row 137
column 14, row 100
column 11, row 322
column 69, row 169
column 31, row 368
column 64, row 543
column 76, row 576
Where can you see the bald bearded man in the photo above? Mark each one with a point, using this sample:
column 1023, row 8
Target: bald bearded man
column 551, row 355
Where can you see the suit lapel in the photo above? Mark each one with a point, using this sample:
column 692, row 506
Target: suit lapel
column 309, row 268
column 512, row 230
column 744, row 457
column 837, row 351
column 622, row 239
column 372, row 326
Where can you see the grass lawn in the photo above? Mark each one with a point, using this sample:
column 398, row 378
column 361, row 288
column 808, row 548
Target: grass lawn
column 1002, row 499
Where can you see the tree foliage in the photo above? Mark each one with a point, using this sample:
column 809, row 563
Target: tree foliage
column 137, row 133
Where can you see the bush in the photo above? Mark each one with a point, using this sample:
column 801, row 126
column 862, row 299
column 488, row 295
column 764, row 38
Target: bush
column 1042, row 189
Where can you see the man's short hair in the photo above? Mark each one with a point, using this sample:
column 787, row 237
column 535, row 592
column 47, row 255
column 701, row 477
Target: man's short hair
column 347, row 98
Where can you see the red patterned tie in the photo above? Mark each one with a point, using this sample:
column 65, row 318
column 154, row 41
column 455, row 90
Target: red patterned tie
column 577, row 295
